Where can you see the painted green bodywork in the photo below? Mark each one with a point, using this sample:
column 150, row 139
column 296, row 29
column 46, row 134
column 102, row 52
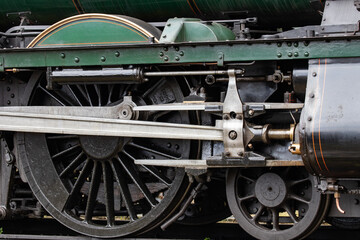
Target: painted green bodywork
column 92, row 32
column 192, row 30
column 217, row 52
column 279, row 12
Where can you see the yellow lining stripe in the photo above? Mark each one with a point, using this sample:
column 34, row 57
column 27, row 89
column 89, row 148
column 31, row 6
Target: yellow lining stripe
column 89, row 16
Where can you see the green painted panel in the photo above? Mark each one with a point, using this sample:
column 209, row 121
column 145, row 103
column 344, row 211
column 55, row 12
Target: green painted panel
column 92, row 32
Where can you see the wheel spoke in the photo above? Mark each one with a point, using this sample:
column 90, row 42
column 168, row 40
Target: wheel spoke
column 157, row 174
column 296, row 182
column 156, row 85
column 258, row 214
column 152, row 151
column 298, row 198
column 110, row 90
column 241, row 199
column 152, row 170
column 74, row 95
column 88, row 95
column 98, row 92
column 52, row 96
column 291, row 214
column 70, row 149
column 94, row 188
column 73, row 165
column 275, row 219
column 134, row 175
column 79, row 183
column 247, row 178
column 124, row 189
column 109, row 194
column 83, row 93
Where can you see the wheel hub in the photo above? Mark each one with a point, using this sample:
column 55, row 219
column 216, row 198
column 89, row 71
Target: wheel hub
column 270, row 190
column 101, row 148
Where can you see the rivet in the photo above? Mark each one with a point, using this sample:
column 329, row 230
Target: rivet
column 103, row 59
column 296, row 54
column 177, row 49
column 220, row 57
column 12, row 95
column 251, row 112
column 289, row 44
column 227, row 154
column 309, row 119
column 314, row 74
column 241, row 154
column 296, row 44
column 312, row 95
column 166, row 59
column 306, row 54
column 169, row 25
column 279, row 55
column 177, row 58
column 279, row 44
column 62, row 55
column 77, row 59
column 165, row 49
column 290, row 54
column 161, row 54
column 117, row 54
column 164, row 36
column 181, row 53
column 8, row 102
column 226, row 117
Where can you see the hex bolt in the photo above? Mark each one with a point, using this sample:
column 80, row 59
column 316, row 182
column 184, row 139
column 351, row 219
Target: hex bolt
column 251, row 112
column 226, row 117
column 232, row 135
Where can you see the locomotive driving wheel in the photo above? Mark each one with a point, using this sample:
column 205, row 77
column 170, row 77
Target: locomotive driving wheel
column 275, row 204
column 91, row 184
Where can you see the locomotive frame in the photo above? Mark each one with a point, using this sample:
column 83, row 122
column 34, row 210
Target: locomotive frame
column 260, row 108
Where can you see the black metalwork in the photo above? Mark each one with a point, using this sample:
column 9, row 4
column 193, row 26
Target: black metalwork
column 275, row 204
column 91, row 184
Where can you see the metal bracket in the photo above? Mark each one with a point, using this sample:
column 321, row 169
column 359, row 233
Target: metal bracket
column 220, row 62
column 233, row 124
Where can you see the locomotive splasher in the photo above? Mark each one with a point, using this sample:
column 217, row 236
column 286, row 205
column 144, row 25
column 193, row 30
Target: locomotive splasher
column 105, row 115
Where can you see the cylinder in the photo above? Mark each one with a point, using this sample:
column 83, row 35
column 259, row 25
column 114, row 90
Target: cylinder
column 279, row 13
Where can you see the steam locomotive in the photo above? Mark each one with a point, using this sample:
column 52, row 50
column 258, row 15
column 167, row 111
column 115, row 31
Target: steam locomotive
column 121, row 116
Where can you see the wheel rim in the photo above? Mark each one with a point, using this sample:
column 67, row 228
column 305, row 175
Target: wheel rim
column 276, row 204
column 105, row 195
